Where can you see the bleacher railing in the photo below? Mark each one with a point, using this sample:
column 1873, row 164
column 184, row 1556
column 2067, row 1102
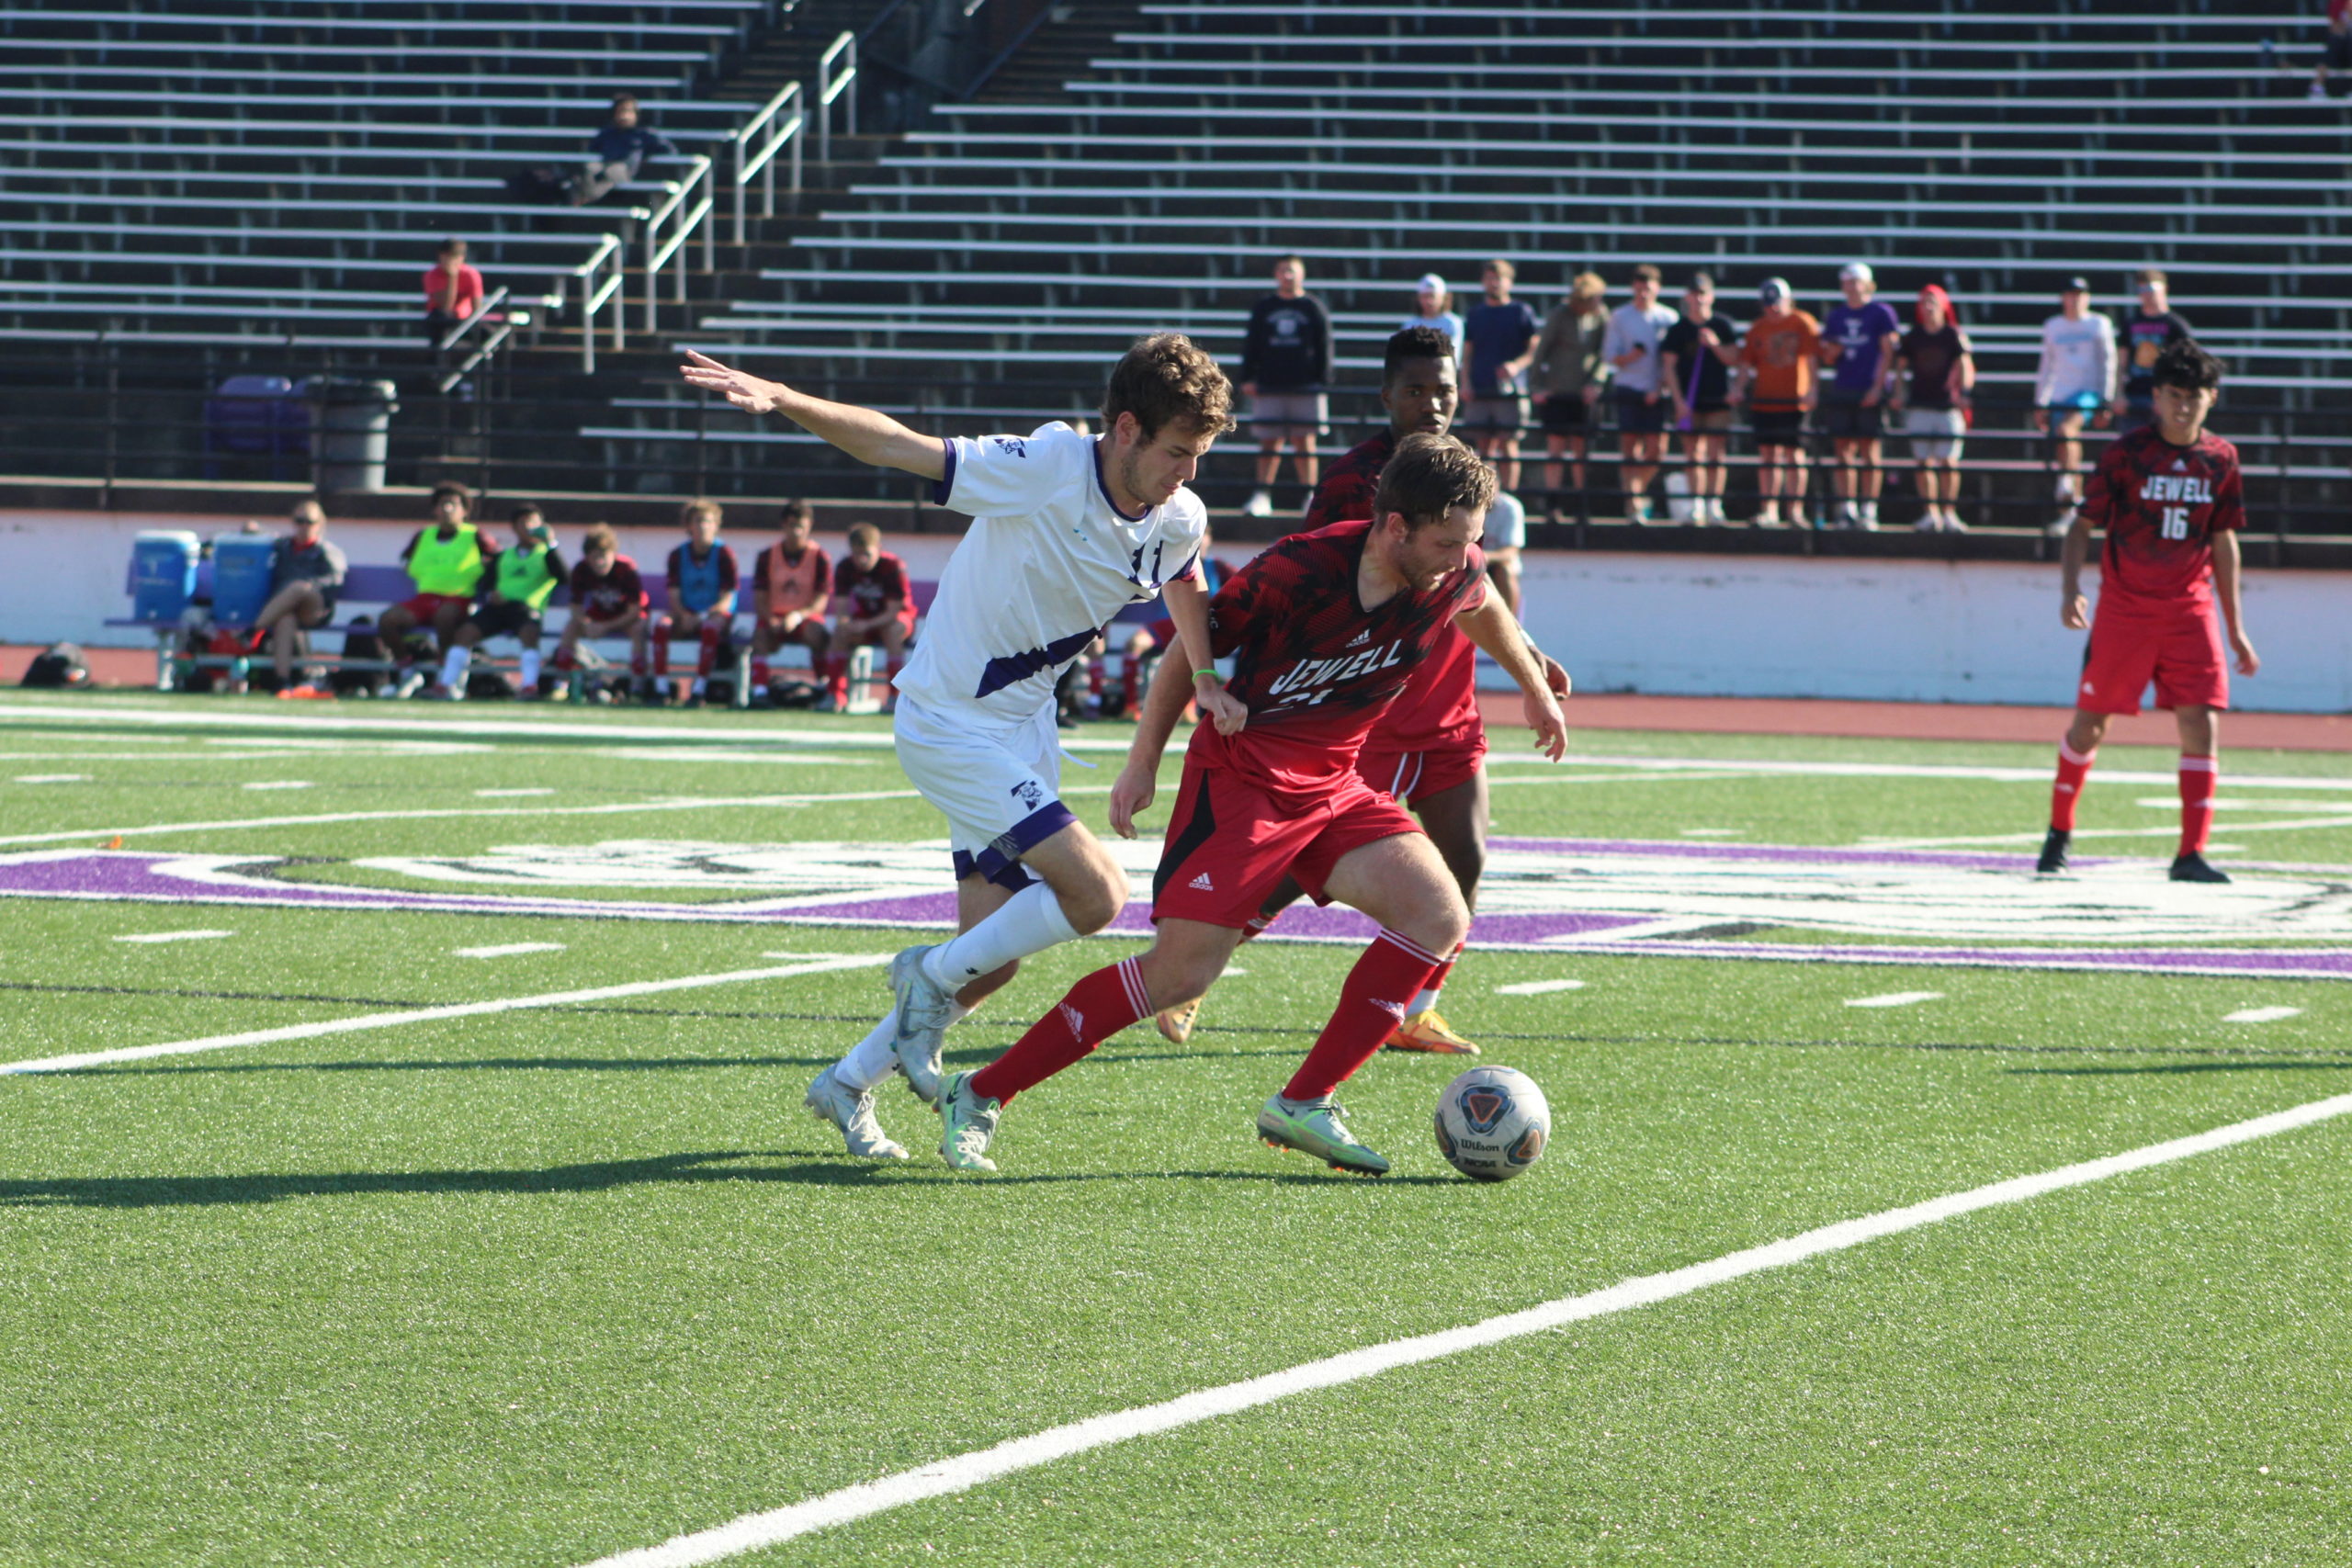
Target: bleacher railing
column 598, row 280
column 778, row 125
column 831, row 85
column 492, row 322
column 684, row 214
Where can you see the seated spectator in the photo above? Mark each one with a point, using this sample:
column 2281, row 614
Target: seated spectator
column 1696, row 357
column 523, row 580
column 616, row 152
column 447, row 562
column 703, row 579
column 1155, row 636
column 607, row 599
column 1568, row 373
column 1436, row 313
column 791, row 584
column 1935, row 372
column 875, row 600
column 305, row 575
column 1499, row 344
column 452, row 291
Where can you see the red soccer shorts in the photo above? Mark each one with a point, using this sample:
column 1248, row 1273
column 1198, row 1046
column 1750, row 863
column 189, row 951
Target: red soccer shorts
column 874, row 638
column 2181, row 649
column 424, row 607
column 1414, row 776
column 1231, row 844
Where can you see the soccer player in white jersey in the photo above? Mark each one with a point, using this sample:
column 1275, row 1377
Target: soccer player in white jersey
column 1067, row 529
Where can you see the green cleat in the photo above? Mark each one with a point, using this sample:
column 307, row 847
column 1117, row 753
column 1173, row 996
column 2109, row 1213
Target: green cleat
column 1312, row 1127
column 967, row 1123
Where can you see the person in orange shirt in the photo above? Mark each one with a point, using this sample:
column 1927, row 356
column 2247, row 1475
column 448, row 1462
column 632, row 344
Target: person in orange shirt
column 791, row 584
column 1777, row 361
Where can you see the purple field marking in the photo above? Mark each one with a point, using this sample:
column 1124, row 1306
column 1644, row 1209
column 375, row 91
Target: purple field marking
column 134, row 877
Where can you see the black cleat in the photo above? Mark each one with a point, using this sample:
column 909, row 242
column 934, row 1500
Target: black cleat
column 2192, row 868
column 2054, row 852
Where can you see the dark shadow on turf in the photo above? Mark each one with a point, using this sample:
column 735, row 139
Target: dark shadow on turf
column 2304, row 1066
column 703, row 1166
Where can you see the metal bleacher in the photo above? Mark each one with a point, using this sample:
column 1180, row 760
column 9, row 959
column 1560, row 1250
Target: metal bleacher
column 1006, row 248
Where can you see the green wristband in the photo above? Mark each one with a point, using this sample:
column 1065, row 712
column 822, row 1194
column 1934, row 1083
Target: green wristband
column 1210, row 672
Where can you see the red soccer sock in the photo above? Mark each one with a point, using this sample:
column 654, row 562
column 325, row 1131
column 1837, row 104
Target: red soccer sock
column 837, row 676
column 2199, row 777
column 711, row 634
column 637, row 664
column 661, row 648
column 1436, row 982
column 2073, row 767
column 1128, row 671
column 1372, row 1003
column 566, row 660
column 1095, row 1008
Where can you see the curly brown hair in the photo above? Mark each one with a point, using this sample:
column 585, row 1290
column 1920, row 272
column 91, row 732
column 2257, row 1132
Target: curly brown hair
column 1165, row 378
column 1429, row 477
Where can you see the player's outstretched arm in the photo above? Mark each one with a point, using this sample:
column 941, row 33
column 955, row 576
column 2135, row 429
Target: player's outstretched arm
column 867, row 434
column 2226, row 578
column 1497, row 633
column 1138, row 781
column 1188, row 606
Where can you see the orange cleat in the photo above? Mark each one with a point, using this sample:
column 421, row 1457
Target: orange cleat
column 1427, row 1031
column 1176, row 1023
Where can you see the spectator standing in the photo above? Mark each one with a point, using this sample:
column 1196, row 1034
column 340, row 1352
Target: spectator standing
column 306, row 574
column 2147, row 333
column 2336, row 54
column 616, row 152
column 1436, row 310
column 1857, row 341
column 1568, row 373
column 447, row 562
column 1696, row 358
column 1935, row 372
column 452, row 291
column 1498, row 345
column 523, row 580
column 792, row 583
column 1631, row 347
column 704, row 577
column 1777, row 360
column 607, row 599
column 1285, row 365
column 2076, row 377
column 876, row 595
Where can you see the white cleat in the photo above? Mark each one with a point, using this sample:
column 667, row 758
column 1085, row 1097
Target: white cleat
column 967, row 1124
column 830, row 1100
column 925, row 1013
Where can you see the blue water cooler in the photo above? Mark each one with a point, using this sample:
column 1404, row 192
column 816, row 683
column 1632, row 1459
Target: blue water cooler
column 240, row 578
column 162, row 575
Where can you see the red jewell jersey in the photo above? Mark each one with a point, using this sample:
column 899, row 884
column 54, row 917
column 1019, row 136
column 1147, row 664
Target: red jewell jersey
column 866, row 592
column 615, row 593
column 2161, row 505
column 1316, row 670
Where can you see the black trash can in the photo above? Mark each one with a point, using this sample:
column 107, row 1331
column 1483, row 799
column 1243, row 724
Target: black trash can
column 351, row 422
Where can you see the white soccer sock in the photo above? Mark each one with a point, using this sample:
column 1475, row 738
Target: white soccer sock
column 530, row 667
column 1030, row 921
column 1423, row 1002
column 453, row 668
column 872, row 1060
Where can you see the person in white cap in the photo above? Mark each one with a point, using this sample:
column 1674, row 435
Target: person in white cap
column 1436, row 309
column 1858, row 337
column 2075, row 377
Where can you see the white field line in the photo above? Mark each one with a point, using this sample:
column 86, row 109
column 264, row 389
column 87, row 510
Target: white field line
column 2299, row 824
column 174, row 936
column 425, row 1015
column 1538, row 987
column 1679, row 776
column 1896, row 999
column 944, row 1477
column 2172, row 803
column 506, row 950
column 52, row 778
column 504, row 793
column 278, row 784
column 2261, row 1015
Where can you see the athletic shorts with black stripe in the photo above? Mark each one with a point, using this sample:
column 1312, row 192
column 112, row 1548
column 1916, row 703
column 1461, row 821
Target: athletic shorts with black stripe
column 1230, row 843
column 997, row 784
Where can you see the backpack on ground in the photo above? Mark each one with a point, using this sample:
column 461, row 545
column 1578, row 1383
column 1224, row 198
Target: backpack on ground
column 58, row 665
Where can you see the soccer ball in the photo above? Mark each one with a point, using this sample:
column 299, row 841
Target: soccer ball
column 1492, row 1123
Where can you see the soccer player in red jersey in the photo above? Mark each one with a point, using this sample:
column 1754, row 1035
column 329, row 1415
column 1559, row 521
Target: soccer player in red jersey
column 874, row 603
column 2172, row 501
column 607, row 599
column 1428, row 749
column 1324, row 629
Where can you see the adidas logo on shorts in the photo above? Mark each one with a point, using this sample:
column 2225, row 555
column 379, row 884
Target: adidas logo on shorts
column 1203, row 883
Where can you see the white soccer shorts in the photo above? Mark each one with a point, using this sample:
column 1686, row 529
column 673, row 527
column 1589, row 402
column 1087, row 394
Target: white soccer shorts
column 997, row 787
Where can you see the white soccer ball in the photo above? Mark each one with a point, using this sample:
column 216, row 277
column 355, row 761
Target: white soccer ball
column 1492, row 1123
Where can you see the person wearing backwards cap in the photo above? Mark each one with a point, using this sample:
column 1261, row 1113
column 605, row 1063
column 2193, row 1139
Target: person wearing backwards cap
column 1436, row 310
column 1777, row 360
column 1858, row 343
column 1935, row 359
column 2077, row 377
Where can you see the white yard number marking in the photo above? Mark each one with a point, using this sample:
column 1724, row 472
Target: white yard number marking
column 2175, row 521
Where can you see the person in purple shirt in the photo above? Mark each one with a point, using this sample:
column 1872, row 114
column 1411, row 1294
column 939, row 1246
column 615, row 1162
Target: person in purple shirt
column 1857, row 342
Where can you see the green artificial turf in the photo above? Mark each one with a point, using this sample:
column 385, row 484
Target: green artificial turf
column 531, row 1288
